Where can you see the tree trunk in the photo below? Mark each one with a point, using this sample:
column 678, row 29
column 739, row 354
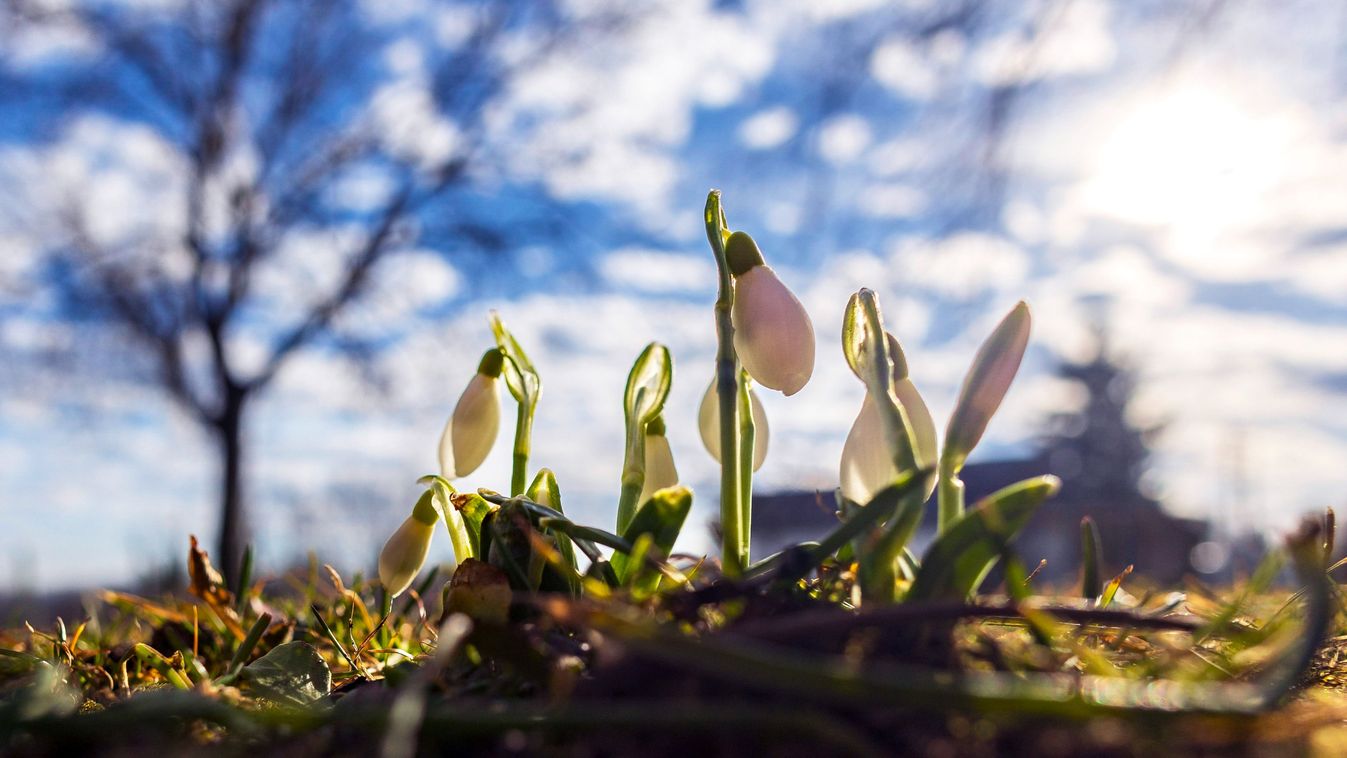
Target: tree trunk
column 233, row 529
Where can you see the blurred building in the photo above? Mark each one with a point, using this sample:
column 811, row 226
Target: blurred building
column 1139, row 533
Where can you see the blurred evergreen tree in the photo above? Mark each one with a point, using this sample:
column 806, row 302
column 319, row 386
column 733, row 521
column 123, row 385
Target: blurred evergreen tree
column 1099, row 453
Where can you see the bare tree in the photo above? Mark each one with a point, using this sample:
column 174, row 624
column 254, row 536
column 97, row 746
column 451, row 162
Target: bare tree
column 287, row 88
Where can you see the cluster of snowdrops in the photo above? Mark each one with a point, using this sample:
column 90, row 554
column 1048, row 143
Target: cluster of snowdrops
column 766, row 338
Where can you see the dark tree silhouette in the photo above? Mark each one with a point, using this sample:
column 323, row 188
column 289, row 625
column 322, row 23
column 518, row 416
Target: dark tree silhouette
column 1098, row 452
column 288, row 85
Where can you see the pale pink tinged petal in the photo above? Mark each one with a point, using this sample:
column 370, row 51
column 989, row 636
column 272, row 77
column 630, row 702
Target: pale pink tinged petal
column 987, row 382
column 772, row 331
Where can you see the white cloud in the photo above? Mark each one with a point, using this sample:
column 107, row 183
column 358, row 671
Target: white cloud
column 600, row 116
column 454, row 25
column 405, row 117
column 901, row 67
column 656, row 271
column 897, row 156
column 393, row 11
column 892, row 201
column 1322, row 273
column 414, row 280
column 842, row 139
column 962, row 266
column 1075, row 42
column 30, row 46
column 768, row 128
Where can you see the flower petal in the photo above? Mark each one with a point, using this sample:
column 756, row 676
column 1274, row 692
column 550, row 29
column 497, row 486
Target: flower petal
column 772, row 331
column 404, row 554
column 472, row 429
column 867, row 465
column 985, row 386
column 660, row 471
column 708, row 423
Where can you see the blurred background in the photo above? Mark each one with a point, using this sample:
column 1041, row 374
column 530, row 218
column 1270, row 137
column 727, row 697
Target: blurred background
column 247, row 249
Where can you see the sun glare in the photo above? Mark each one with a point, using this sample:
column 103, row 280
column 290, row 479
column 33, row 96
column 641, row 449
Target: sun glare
column 1194, row 162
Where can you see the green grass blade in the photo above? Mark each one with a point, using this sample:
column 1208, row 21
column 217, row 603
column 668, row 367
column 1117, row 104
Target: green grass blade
column 249, row 642
column 1091, row 558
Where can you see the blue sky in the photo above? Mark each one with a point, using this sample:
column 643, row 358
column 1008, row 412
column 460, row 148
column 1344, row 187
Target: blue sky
column 1176, row 170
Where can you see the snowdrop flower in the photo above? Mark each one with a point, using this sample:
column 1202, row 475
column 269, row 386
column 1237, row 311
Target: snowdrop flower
column 772, row 332
column 986, row 385
column 471, row 430
column 708, row 422
column 659, row 463
column 867, row 463
column 405, row 552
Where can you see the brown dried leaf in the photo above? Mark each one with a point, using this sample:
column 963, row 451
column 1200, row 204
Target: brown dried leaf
column 208, row 584
column 480, row 591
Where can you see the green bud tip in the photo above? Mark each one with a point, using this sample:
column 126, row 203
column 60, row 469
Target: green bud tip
column 655, row 427
column 491, row 364
column 742, row 253
column 425, row 508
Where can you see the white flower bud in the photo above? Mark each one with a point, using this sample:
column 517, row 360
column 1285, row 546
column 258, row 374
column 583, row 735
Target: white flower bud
column 986, row 385
column 659, row 462
column 772, row 331
column 472, row 429
column 405, row 552
column 867, row 465
column 708, row 422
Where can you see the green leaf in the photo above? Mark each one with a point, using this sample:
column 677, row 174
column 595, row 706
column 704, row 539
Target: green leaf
column 661, row 517
column 511, row 544
column 585, row 535
column 860, row 521
column 545, row 491
column 879, row 556
column 15, row 662
column 958, row 560
column 1111, row 590
column 473, row 510
column 292, row 672
column 1091, row 559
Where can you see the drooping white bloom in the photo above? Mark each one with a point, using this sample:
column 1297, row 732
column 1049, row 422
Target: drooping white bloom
column 772, row 331
column 867, row 463
column 708, row 422
column 475, row 422
column 660, row 471
column 405, row 552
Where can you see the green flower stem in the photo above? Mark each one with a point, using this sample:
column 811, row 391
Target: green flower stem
column 734, row 545
column 453, row 520
column 626, row 504
column 458, row 534
column 949, row 497
column 747, row 434
column 633, row 468
column 523, row 430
